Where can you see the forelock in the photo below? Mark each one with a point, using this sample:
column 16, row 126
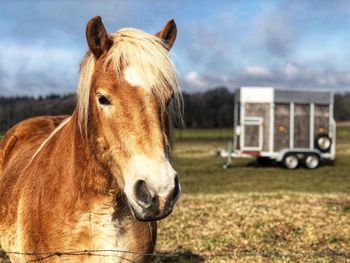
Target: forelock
column 147, row 56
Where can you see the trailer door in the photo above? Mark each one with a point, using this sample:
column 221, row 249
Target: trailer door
column 252, row 134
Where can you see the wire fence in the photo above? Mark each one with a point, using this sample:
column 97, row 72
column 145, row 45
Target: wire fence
column 42, row 256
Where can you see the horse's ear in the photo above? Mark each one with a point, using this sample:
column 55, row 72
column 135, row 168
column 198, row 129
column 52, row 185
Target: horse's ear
column 168, row 33
column 97, row 37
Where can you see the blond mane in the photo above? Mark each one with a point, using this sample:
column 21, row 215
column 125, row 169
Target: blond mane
column 148, row 57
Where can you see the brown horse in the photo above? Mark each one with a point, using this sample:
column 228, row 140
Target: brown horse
column 99, row 179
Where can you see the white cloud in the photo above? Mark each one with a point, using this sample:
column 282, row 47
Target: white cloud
column 193, row 79
column 36, row 57
column 257, row 71
column 328, row 80
column 291, row 70
column 34, row 70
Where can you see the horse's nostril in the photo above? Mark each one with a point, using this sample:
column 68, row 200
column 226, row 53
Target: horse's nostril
column 177, row 190
column 142, row 194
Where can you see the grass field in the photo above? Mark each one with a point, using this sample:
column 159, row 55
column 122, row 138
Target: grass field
column 201, row 171
column 255, row 214
column 203, row 134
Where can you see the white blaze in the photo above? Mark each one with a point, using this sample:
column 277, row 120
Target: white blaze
column 133, row 77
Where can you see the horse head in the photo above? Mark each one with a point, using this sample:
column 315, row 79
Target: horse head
column 127, row 81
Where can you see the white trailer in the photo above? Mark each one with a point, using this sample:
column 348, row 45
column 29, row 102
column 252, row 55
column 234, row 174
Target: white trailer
column 289, row 126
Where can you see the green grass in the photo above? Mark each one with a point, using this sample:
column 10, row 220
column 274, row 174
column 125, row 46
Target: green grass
column 343, row 134
column 201, row 171
column 227, row 134
column 204, row 134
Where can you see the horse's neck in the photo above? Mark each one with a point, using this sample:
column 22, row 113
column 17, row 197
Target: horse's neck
column 90, row 175
column 109, row 212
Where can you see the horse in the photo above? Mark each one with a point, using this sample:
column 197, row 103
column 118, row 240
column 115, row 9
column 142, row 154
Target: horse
column 99, row 179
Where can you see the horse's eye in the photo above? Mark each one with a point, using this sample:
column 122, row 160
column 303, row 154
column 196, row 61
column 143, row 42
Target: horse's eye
column 103, row 100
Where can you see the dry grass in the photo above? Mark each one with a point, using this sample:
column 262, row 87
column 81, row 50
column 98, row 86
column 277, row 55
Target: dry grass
column 296, row 225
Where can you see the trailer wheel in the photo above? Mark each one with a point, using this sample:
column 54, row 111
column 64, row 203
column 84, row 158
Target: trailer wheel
column 311, row 161
column 290, row 161
column 323, row 142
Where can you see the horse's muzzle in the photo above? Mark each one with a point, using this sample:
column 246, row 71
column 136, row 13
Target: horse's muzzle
column 152, row 207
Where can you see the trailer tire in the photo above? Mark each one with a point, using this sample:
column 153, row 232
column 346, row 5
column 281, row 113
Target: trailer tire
column 290, row 161
column 323, row 142
column 311, row 161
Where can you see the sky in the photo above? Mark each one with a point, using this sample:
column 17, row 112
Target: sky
column 285, row 44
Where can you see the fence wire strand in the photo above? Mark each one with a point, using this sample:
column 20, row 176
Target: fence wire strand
column 42, row 256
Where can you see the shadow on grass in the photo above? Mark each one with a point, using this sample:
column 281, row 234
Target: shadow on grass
column 182, row 257
column 275, row 164
column 255, row 164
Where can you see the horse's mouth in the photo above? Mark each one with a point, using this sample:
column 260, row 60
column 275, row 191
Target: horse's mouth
column 150, row 214
column 153, row 212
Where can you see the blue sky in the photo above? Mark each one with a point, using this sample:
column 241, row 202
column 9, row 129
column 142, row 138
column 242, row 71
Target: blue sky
column 286, row 44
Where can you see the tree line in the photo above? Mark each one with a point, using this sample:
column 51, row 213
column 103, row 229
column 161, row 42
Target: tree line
column 210, row 109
